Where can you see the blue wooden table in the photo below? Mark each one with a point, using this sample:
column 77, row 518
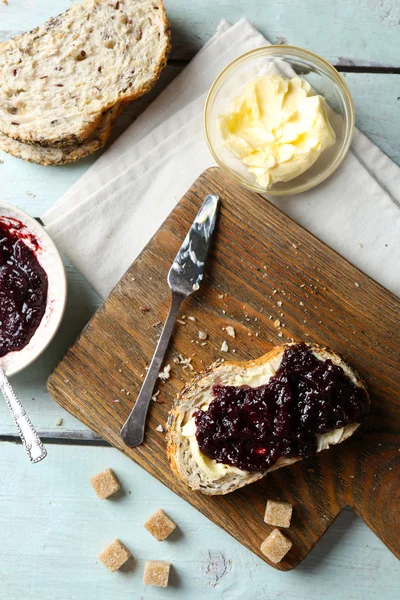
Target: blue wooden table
column 52, row 526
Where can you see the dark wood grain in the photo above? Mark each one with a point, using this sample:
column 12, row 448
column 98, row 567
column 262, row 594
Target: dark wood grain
column 259, row 259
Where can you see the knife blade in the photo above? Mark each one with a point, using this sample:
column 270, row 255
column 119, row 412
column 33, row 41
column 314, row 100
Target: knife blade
column 187, row 269
column 184, row 278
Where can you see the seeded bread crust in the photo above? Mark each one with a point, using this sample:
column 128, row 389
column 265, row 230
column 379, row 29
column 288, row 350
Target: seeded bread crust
column 47, row 156
column 59, row 79
column 191, row 398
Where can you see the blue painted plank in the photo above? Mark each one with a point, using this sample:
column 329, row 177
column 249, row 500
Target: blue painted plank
column 53, row 528
column 362, row 32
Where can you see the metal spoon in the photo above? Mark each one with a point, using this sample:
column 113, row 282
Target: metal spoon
column 184, row 278
column 30, row 439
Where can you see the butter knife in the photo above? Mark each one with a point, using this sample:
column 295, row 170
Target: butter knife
column 184, row 278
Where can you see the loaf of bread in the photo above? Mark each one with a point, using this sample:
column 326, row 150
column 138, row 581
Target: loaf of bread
column 59, row 79
column 61, row 155
column 182, row 449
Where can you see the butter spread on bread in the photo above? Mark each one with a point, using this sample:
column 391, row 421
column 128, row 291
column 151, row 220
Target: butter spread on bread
column 211, row 476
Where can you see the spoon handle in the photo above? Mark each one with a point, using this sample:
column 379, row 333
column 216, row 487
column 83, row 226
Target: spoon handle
column 33, row 445
column 132, row 432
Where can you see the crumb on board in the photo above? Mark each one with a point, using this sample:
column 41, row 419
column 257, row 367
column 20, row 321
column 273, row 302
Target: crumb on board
column 224, row 347
column 160, row 525
column 185, row 362
column 114, row 556
column 160, row 428
column 165, row 373
column 230, row 331
column 192, row 319
column 203, row 335
column 59, row 422
column 156, row 572
column 277, row 323
column 154, row 396
column 105, row 484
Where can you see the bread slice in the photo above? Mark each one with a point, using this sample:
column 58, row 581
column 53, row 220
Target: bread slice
column 196, row 393
column 46, row 155
column 58, row 80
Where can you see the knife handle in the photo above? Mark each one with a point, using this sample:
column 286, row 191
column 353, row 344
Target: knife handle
column 132, row 432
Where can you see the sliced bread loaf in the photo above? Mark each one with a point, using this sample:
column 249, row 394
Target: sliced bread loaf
column 61, row 155
column 57, row 80
column 201, row 473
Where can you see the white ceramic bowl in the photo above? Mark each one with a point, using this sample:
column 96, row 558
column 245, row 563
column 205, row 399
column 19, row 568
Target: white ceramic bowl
column 50, row 259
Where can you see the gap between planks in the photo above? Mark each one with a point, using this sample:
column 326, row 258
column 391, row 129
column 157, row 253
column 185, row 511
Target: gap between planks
column 342, row 68
column 66, row 437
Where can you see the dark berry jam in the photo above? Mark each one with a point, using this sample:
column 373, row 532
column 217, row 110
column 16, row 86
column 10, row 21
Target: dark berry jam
column 251, row 428
column 23, row 287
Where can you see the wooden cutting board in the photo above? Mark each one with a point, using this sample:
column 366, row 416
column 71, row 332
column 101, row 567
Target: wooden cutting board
column 262, row 267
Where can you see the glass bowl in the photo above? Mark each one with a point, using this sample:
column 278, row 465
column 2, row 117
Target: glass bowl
column 290, row 61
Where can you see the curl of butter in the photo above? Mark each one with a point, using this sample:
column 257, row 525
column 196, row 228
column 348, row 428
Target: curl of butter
column 276, row 128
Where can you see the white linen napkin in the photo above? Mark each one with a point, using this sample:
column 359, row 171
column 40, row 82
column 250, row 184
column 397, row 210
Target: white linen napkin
column 103, row 222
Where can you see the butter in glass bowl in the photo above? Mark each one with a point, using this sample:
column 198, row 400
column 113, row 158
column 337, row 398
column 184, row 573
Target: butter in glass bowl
column 277, row 128
column 282, row 150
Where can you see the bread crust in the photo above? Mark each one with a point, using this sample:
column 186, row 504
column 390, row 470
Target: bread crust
column 186, row 400
column 18, row 45
column 51, row 156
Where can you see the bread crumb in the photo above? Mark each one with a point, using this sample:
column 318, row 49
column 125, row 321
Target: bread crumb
column 280, row 334
column 180, row 322
column 220, row 296
column 160, row 428
column 224, row 347
column 279, row 303
column 202, row 335
column 59, row 422
column 230, row 331
column 356, row 284
column 154, row 396
column 165, row 373
column 192, row 319
column 277, row 323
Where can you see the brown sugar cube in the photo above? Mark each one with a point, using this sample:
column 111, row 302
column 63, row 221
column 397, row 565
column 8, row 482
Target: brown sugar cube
column 276, row 546
column 156, row 572
column 278, row 514
column 105, row 484
column 114, row 556
column 160, row 525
